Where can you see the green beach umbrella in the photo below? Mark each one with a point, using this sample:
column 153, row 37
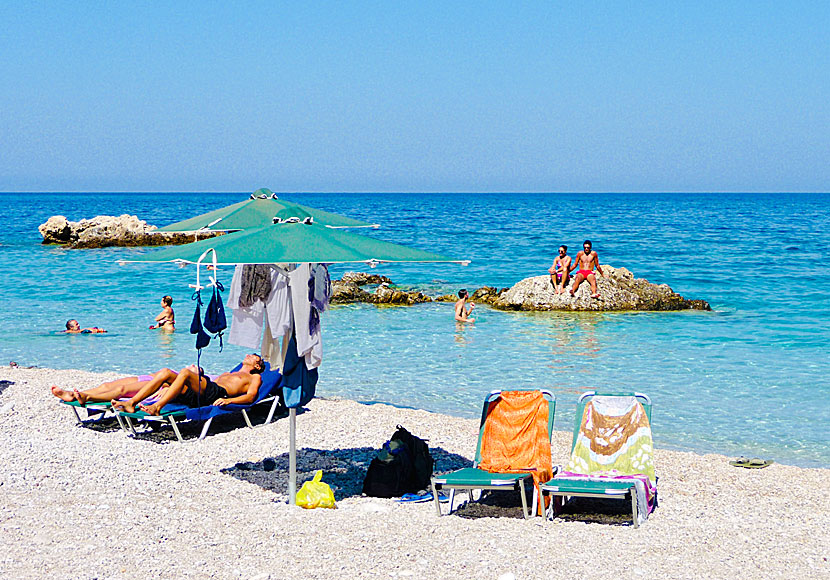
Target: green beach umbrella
column 259, row 210
column 294, row 242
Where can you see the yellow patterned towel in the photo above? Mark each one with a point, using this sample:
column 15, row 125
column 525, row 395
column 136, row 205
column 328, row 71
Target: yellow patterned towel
column 615, row 442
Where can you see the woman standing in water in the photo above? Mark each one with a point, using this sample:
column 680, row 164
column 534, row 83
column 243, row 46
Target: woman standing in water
column 166, row 320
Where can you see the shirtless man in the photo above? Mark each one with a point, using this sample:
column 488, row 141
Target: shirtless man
column 462, row 314
column 166, row 320
column 560, row 272
column 188, row 388
column 73, row 327
column 586, row 261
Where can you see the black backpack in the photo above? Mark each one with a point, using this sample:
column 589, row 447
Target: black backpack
column 403, row 465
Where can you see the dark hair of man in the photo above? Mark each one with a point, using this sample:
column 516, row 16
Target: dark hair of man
column 69, row 323
column 563, row 247
column 260, row 365
column 462, row 293
column 587, row 243
column 167, row 300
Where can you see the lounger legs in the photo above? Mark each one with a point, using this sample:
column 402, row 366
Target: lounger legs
column 273, row 410
column 176, row 428
column 524, row 499
column 204, row 428
column 633, row 493
column 247, row 420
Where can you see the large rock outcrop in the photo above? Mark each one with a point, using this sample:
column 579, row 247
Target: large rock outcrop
column 104, row 231
column 619, row 291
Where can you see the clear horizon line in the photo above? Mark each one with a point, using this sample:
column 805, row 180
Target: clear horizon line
column 454, row 192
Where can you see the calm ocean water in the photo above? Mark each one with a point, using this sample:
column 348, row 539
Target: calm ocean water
column 749, row 378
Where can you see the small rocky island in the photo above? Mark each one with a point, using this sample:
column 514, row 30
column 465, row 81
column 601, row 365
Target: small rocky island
column 619, row 291
column 104, row 231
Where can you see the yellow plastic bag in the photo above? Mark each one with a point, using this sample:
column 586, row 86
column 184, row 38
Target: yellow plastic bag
column 315, row 493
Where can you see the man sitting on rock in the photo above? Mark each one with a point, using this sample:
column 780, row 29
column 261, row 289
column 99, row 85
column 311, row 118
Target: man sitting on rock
column 586, row 261
column 192, row 389
column 560, row 272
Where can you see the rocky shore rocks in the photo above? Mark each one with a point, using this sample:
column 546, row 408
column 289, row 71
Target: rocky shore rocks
column 619, row 291
column 349, row 289
column 104, row 231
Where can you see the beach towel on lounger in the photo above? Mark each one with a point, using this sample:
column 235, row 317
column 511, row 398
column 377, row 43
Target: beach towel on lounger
column 615, row 443
column 516, row 438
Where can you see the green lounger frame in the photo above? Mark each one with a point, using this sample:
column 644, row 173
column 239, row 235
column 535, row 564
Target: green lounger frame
column 602, row 489
column 95, row 411
column 471, row 478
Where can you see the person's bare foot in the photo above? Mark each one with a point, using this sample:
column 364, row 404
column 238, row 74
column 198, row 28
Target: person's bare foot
column 67, row 396
column 595, row 295
column 82, row 398
column 123, row 406
column 571, row 292
column 153, row 409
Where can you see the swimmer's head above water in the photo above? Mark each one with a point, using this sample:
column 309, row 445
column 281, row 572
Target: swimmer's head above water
column 72, row 325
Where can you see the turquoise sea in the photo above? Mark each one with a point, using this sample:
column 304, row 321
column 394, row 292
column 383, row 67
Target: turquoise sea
column 749, row 378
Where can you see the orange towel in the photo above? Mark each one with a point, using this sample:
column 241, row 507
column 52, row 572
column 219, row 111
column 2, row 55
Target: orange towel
column 516, row 437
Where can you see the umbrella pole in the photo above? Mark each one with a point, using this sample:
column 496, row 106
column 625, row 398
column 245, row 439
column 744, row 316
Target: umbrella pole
column 292, row 456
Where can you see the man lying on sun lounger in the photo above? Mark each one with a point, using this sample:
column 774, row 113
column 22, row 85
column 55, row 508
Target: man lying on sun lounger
column 190, row 389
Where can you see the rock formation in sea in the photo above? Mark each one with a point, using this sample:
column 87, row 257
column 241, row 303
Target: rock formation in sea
column 104, row 231
column 619, row 291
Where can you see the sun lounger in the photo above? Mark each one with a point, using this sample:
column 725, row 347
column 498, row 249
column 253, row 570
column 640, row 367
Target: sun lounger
column 611, row 454
column 172, row 412
column 513, row 447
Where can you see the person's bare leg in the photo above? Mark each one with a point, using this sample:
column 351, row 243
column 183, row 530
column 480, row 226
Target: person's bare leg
column 103, row 392
column 164, row 376
column 592, row 280
column 560, row 289
column 577, row 281
column 187, row 379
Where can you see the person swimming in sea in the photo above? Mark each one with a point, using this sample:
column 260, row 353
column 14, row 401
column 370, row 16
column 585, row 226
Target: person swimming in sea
column 166, row 320
column 560, row 272
column 73, row 327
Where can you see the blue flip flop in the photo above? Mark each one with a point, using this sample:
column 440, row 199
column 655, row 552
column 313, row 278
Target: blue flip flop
column 422, row 497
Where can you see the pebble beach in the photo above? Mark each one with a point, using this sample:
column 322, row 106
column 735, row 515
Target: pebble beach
column 90, row 502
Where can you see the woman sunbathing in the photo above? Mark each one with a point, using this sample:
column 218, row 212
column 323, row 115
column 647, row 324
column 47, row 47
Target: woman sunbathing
column 118, row 389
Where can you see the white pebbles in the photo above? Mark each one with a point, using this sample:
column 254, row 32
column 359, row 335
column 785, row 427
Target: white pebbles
column 89, row 502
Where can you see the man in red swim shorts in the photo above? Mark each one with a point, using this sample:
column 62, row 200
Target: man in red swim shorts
column 586, row 260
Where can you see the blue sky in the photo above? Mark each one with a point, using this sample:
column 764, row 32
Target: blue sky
column 354, row 96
